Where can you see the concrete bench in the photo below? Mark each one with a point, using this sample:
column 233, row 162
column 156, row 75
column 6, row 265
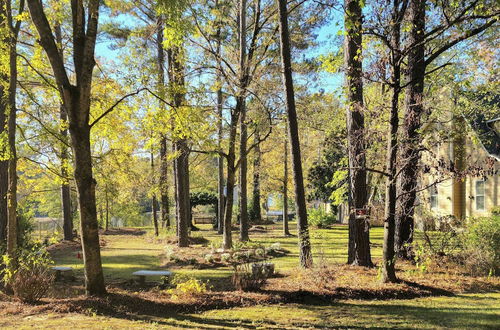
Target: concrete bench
column 62, row 271
column 142, row 274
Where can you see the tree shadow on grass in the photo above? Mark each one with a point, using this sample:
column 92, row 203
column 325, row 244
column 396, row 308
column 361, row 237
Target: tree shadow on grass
column 388, row 316
column 414, row 290
column 164, row 313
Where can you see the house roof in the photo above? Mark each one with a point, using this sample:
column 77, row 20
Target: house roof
column 486, row 130
column 487, row 133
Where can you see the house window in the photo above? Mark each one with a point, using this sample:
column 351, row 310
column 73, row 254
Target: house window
column 480, row 195
column 434, row 196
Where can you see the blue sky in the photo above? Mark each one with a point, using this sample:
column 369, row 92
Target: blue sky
column 327, row 38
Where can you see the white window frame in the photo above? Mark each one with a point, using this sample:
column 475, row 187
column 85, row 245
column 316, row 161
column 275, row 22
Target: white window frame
column 480, row 196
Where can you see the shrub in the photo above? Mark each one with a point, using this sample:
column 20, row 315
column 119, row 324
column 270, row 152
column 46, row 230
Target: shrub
column 474, row 245
column 186, row 287
column 245, row 278
column 446, row 242
column 319, row 218
column 482, row 253
column 495, row 210
column 30, row 277
column 25, row 226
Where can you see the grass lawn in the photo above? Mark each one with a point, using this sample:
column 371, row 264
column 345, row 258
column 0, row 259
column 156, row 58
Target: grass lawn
column 469, row 302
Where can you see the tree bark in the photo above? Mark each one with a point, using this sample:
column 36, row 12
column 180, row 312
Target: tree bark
column 154, row 204
column 227, row 238
column 389, row 261
column 459, row 162
column 181, row 163
column 220, row 167
column 64, row 157
column 85, row 183
column 164, row 202
column 256, row 211
column 243, row 127
column 183, row 207
column 11, row 133
column 4, row 175
column 9, row 106
column 65, row 187
column 359, row 249
column 243, row 177
column 220, row 132
column 413, row 110
column 76, row 101
column 305, row 254
column 106, row 227
column 235, row 116
column 4, row 163
column 286, row 230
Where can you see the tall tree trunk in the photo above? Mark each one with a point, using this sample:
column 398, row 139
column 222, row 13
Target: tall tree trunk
column 286, row 231
column 389, row 261
column 89, row 228
column 220, row 159
column 76, row 100
column 4, row 175
column 243, row 125
column 220, row 166
column 235, row 116
column 227, row 237
column 459, row 163
column 305, row 254
column 410, row 131
column 64, row 157
column 359, row 253
column 181, row 163
column 164, row 202
column 256, row 212
column 106, row 227
column 183, row 207
column 65, row 187
column 4, row 163
column 243, row 177
column 154, row 204
column 11, row 130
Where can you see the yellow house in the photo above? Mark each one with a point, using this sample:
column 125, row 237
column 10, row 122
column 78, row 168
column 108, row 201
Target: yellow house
column 476, row 155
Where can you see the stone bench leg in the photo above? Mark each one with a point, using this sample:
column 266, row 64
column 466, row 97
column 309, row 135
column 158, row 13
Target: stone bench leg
column 58, row 275
column 141, row 279
column 64, row 274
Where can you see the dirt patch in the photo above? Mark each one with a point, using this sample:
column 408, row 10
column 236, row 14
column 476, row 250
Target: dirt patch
column 65, row 246
column 74, row 247
column 193, row 240
column 122, row 231
column 257, row 229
